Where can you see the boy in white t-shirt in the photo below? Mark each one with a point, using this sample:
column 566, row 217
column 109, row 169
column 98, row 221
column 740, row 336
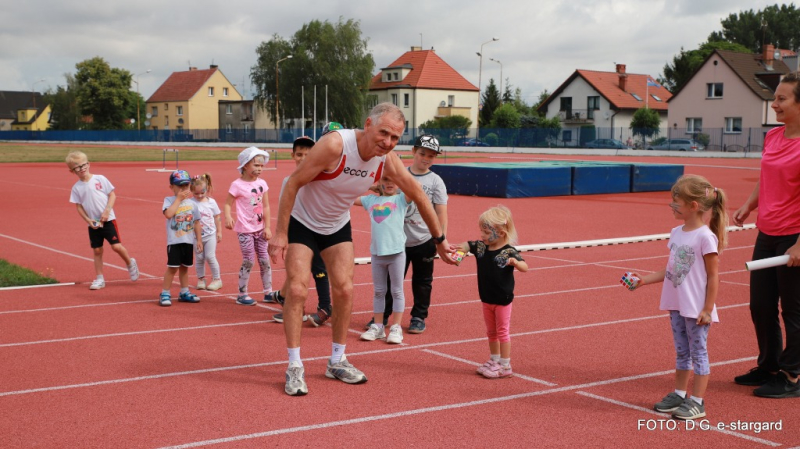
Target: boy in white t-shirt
column 94, row 197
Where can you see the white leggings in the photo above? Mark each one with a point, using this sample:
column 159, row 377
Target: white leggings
column 394, row 265
column 209, row 254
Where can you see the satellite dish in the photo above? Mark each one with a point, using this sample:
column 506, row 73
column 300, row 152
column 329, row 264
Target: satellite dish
column 133, row 120
column 147, row 123
column 442, row 104
column 149, row 115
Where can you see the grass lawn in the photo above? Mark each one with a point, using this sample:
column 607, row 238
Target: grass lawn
column 13, row 275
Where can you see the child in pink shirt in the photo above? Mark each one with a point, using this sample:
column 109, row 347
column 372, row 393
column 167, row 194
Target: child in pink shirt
column 249, row 193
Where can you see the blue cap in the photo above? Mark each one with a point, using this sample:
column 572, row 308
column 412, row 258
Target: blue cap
column 179, row 178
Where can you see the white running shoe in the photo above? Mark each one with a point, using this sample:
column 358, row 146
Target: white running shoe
column 97, row 284
column 133, row 270
column 201, row 284
column 375, row 332
column 215, row 284
column 345, row 372
column 295, row 381
column 395, row 335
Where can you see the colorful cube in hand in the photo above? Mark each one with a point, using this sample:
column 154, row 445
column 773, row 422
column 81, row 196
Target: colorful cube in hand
column 629, row 281
column 458, row 256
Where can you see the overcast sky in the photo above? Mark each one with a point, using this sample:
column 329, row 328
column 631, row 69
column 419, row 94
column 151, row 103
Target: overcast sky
column 540, row 42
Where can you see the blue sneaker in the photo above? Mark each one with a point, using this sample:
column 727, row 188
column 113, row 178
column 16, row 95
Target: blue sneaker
column 165, row 300
column 188, row 297
column 274, row 297
column 417, row 326
column 245, row 300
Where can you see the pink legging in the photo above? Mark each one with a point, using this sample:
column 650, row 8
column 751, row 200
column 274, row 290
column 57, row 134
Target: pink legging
column 498, row 322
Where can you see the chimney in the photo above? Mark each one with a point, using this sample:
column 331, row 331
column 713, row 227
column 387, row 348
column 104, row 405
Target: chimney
column 192, row 69
column 213, row 66
column 623, row 77
column 768, row 55
column 415, row 48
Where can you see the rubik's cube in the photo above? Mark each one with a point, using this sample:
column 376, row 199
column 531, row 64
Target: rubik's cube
column 458, row 257
column 629, row 281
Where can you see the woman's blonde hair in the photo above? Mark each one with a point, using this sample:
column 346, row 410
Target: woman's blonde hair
column 697, row 188
column 499, row 217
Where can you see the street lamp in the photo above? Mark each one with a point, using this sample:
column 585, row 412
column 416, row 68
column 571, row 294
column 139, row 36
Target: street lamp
column 501, row 77
column 138, row 117
column 277, row 92
column 480, row 70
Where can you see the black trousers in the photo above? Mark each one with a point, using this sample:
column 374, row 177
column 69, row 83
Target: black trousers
column 420, row 258
column 768, row 288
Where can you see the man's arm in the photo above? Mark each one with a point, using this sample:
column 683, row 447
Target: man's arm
column 395, row 171
column 325, row 153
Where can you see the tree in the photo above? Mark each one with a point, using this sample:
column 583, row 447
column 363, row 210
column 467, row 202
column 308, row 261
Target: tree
column 542, row 98
column 683, row 66
column 447, row 129
column 63, row 102
column 323, row 54
column 645, row 122
column 506, row 116
column 491, row 101
column 103, row 93
column 507, row 95
column 747, row 28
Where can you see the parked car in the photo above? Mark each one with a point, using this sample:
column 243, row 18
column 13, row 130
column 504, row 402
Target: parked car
column 471, row 143
column 678, row 145
column 606, row 143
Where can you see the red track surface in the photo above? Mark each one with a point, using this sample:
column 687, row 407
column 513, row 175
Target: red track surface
column 110, row 368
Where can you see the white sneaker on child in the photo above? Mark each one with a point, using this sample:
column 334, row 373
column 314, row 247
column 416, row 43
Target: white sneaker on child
column 133, row 269
column 395, row 335
column 375, row 332
column 97, row 284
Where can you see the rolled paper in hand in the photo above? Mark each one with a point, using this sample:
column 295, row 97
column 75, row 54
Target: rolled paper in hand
column 767, row 263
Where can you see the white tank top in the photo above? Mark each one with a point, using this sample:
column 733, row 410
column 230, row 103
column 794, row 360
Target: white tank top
column 323, row 205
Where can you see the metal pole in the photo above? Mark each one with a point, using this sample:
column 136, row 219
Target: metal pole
column 501, row 77
column 278, row 98
column 314, row 124
column 480, row 70
column 303, row 107
column 138, row 116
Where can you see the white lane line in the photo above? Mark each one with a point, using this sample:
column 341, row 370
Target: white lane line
column 125, row 269
column 470, row 362
column 419, row 411
column 711, row 426
column 27, row 287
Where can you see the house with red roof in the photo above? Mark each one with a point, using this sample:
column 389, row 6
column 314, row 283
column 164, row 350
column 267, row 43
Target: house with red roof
column 189, row 100
column 424, row 87
column 606, row 100
column 729, row 98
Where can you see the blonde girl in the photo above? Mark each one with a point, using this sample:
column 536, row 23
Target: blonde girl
column 691, row 282
column 211, row 235
column 496, row 260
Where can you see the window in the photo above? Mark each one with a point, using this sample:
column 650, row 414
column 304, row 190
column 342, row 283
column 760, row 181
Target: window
column 246, row 128
column 714, row 90
column 228, row 128
column 593, row 103
column 406, row 129
column 566, row 104
column 406, row 99
column 166, row 121
column 694, row 125
column 179, row 110
column 224, row 91
column 166, row 106
column 657, row 98
column 396, row 76
column 229, row 109
column 210, row 91
column 154, row 111
column 394, row 99
column 733, row 124
column 451, row 100
column 636, row 97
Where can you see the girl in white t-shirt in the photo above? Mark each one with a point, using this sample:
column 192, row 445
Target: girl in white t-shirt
column 249, row 192
column 211, row 234
column 691, row 282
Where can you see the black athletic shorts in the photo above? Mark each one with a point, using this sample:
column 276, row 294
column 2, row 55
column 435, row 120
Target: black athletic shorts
column 180, row 254
column 299, row 233
column 108, row 232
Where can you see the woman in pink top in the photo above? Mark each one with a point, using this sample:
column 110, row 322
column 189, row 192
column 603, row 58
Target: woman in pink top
column 776, row 197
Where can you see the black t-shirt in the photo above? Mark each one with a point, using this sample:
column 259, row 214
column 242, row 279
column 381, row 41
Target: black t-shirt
column 495, row 277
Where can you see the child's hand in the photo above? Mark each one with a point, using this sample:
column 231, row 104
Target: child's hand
column 94, row 224
column 512, row 262
column 219, row 235
column 267, row 233
column 704, row 318
column 199, row 246
column 229, row 222
column 104, row 216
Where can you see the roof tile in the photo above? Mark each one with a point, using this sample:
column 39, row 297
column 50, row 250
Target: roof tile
column 181, row 86
column 428, row 71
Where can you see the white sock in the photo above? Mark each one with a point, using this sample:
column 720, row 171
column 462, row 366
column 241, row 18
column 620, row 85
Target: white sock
column 294, row 356
column 337, row 352
column 681, row 393
column 380, row 326
column 495, row 357
column 505, row 362
column 184, row 289
column 698, row 400
column 101, row 278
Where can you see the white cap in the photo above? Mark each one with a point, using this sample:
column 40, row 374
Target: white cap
column 248, row 154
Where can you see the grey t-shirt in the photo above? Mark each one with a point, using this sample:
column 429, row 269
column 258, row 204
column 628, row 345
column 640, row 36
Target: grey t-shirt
column 180, row 228
column 416, row 230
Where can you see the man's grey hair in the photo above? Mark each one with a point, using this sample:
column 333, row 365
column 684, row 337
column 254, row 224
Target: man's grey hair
column 385, row 108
